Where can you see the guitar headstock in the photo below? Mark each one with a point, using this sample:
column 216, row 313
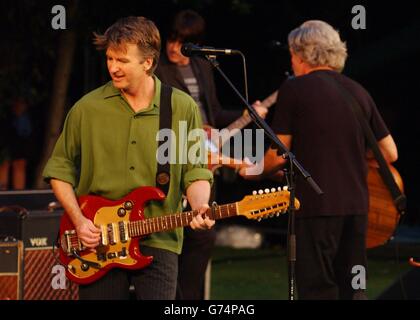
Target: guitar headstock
column 264, row 204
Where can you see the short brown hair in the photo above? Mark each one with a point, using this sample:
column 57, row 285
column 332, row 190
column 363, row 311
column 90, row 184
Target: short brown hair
column 187, row 26
column 132, row 30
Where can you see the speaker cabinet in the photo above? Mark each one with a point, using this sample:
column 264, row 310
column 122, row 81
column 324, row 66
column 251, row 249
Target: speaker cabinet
column 11, row 263
column 44, row 277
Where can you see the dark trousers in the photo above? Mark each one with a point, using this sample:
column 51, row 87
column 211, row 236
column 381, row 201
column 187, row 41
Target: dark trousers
column 327, row 250
column 192, row 263
column 196, row 253
column 155, row 282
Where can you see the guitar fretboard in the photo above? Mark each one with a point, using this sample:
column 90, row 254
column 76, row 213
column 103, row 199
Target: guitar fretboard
column 172, row 221
column 243, row 121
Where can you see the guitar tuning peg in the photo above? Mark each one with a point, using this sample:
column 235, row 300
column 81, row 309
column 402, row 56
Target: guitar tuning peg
column 285, row 188
column 267, row 190
column 254, row 192
column 260, row 191
column 273, row 190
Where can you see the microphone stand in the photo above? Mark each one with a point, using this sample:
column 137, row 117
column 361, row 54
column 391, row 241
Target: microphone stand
column 293, row 163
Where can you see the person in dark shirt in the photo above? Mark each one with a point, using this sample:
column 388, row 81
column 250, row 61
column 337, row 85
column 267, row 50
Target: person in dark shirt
column 316, row 122
column 194, row 75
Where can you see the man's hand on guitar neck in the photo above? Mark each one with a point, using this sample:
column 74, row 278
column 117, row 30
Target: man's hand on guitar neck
column 259, row 108
column 198, row 195
column 202, row 221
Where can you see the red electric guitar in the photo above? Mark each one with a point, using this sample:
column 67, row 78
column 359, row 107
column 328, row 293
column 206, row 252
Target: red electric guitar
column 122, row 221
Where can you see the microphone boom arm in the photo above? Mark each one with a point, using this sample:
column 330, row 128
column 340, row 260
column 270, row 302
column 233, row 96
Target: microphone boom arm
column 189, row 49
column 267, row 130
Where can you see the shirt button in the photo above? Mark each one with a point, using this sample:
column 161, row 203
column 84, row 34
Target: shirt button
column 131, row 168
column 133, row 142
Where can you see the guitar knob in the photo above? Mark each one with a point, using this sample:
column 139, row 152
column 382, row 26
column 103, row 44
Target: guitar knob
column 254, row 193
column 273, row 190
column 260, row 191
column 285, row 188
column 278, row 188
column 121, row 212
column 128, row 205
column 267, row 190
column 84, row 266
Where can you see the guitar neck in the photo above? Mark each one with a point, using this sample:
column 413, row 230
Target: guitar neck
column 172, row 221
column 244, row 120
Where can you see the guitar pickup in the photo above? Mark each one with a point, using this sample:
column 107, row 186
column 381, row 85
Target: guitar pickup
column 123, row 231
column 104, row 235
column 113, row 234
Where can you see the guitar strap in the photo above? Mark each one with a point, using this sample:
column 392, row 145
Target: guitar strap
column 163, row 176
column 400, row 199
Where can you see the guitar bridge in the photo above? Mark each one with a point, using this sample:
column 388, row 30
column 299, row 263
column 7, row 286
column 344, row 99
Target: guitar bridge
column 70, row 242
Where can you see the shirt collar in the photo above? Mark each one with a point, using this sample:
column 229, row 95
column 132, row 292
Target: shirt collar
column 111, row 91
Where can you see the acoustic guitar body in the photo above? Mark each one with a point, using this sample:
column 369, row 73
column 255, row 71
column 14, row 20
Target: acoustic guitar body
column 383, row 215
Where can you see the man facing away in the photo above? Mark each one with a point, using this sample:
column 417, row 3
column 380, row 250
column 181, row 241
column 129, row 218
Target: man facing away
column 314, row 119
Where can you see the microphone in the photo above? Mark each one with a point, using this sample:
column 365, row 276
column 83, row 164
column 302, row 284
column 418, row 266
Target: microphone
column 189, row 49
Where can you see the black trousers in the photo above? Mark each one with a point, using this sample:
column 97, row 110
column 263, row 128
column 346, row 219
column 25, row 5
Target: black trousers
column 327, row 250
column 196, row 253
column 155, row 282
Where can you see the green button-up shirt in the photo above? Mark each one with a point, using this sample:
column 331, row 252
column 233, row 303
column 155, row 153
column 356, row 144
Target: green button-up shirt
column 109, row 150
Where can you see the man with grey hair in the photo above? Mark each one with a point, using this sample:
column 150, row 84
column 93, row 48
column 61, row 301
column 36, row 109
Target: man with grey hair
column 315, row 120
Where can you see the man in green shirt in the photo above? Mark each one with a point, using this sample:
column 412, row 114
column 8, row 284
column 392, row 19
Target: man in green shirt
column 108, row 147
